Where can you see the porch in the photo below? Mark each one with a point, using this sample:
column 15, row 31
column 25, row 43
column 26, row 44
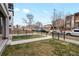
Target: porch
column 4, row 26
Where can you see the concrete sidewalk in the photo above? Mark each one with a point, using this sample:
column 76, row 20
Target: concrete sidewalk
column 43, row 38
column 29, row 40
column 70, row 41
column 21, row 34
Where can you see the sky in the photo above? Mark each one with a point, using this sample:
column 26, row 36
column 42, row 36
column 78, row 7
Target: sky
column 42, row 12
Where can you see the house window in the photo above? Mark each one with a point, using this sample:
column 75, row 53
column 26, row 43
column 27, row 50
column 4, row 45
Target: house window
column 9, row 25
column 10, row 5
column 9, row 17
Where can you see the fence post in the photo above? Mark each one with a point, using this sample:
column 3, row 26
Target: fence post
column 58, row 36
column 64, row 35
column 52, row 34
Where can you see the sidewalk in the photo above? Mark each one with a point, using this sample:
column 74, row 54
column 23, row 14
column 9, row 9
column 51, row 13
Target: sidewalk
column 25, row 34
column 70, row 41
column 29, row 40
column 43, row 38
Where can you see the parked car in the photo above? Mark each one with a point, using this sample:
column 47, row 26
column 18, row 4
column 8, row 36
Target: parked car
column 41, row 30
column 44, row 31
column 74, row 32
column 38, row 30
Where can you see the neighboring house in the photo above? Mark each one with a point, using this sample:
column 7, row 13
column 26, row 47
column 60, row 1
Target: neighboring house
column 16, row 29
column 76, row 20
column 72, row 21
column 4, row 26
column 59, row 24
column 28, row 29
column 22, row 29
column 47, row 27
column 69, row 22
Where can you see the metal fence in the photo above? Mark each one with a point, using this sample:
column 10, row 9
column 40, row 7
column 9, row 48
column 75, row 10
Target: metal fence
column 64, row 36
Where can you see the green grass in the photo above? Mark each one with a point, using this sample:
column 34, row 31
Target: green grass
column 43, row 48
column 26, row 37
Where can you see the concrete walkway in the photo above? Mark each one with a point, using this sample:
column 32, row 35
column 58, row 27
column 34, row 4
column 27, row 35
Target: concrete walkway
column 43, row 38
column 29, row 40
column 24, row 34
column 70, row 41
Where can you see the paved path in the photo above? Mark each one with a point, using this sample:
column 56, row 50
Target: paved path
column 21, row 34
column 24, row 34
column 43, row 38
column 29, row 40
column 71, row 41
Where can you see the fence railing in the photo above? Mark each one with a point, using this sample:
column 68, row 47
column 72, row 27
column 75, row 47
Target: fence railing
column 64, row 36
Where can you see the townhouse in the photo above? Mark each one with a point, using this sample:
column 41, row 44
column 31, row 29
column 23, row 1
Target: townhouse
column 76, row 20
column 59, row 23
column 69, row 22
column 72, row 21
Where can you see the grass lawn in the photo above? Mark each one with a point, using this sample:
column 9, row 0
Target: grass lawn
column 43, row 48
column 26, row 37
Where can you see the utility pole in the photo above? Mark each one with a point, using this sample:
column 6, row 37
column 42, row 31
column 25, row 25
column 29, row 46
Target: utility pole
column 64, row 27
column 58, row 26
column 53, row 22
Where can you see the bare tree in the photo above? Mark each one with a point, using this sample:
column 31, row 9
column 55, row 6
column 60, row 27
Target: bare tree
column 23, row 29
column 29, row 21
column 53, row 21
column 30, row 18
column 24, row 20
column 17, row 29
column 38, row 25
